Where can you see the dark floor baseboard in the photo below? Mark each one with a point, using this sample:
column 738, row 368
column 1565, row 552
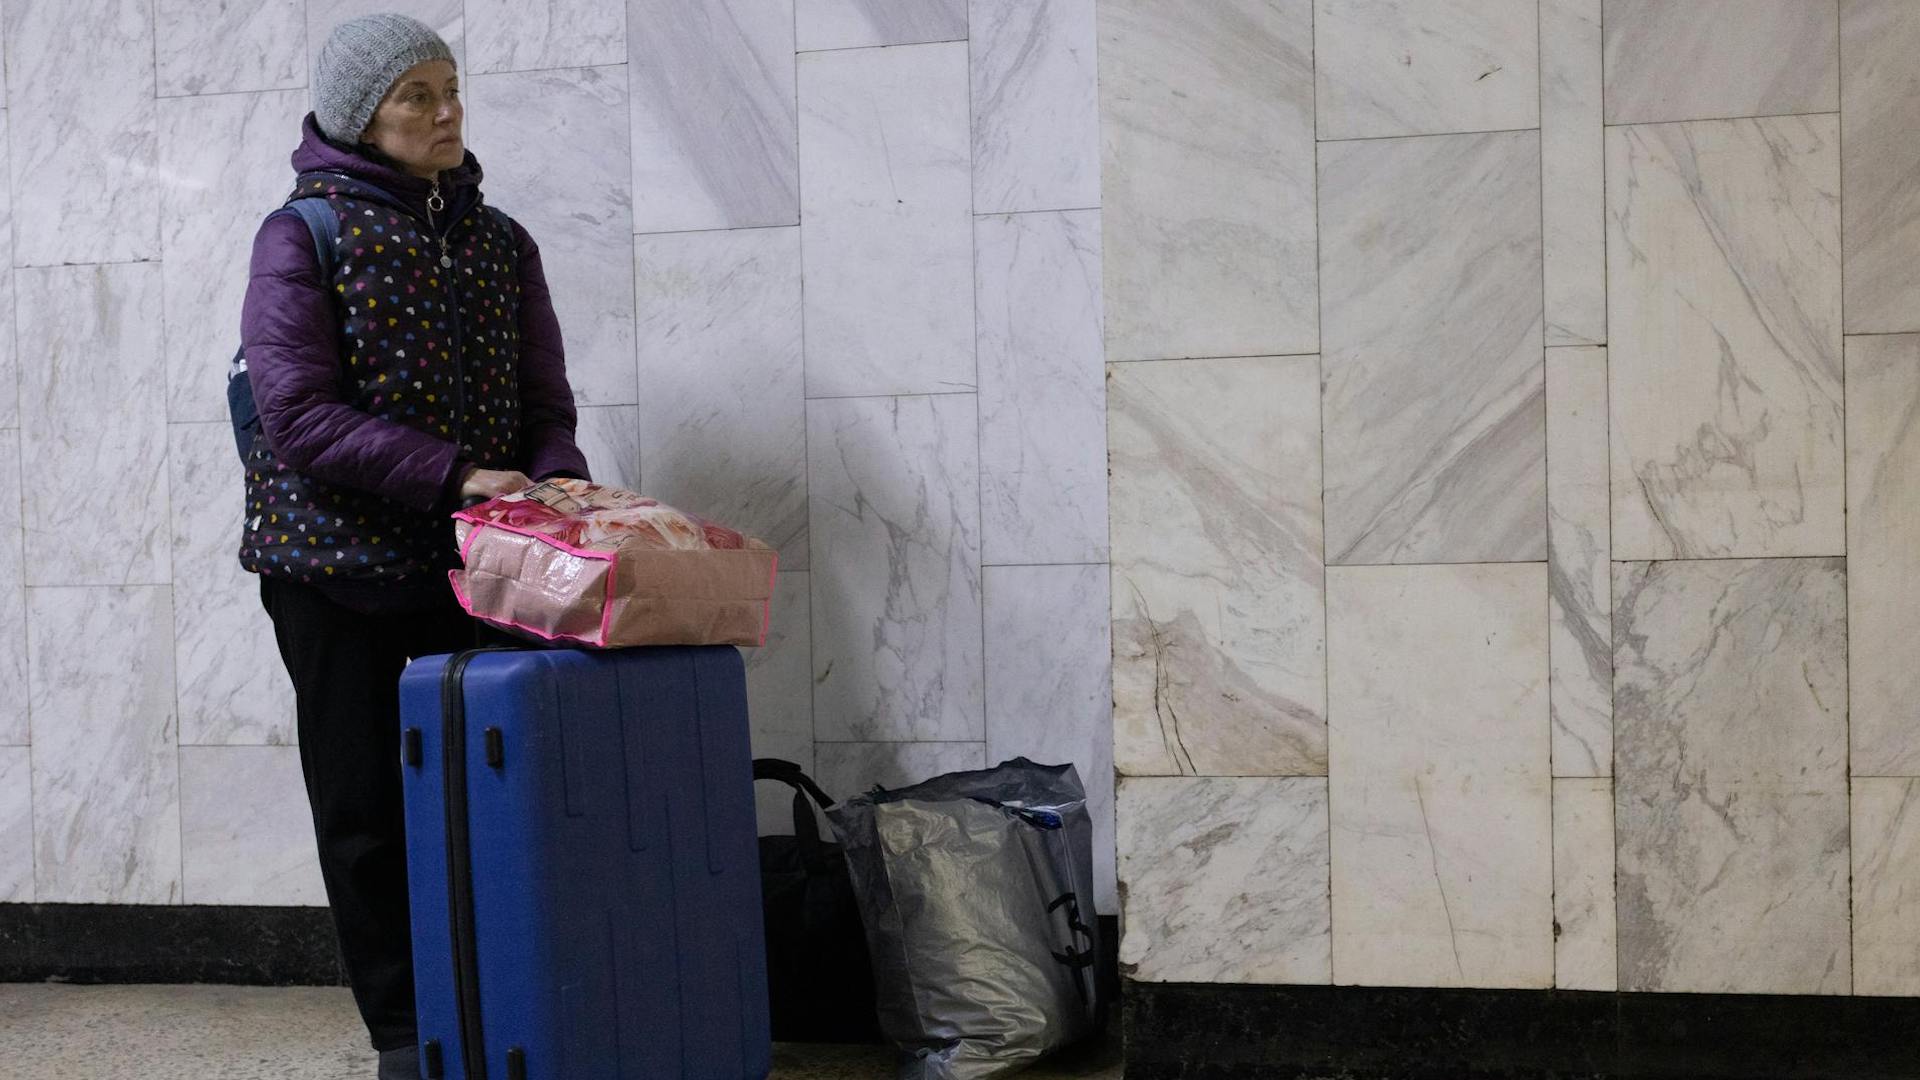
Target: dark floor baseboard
column 129, row 943
column 1207, row 1032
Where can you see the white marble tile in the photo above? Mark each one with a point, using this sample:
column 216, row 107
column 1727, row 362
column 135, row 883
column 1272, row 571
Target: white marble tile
column 1886, row 886
column 1218, row 625
column 97, row 512
column 1043, row 420
column 780, row 693
column 16, row 825
column 224, row 48
column 1036, row 109
column 1723, row 320
column 13, row 598
column 849, row 769
column 1883, row 552
column 889, row 231
column 106, row 797
column 1572, row 173
column 1435, row 436
column 515, row 35
column 1441, row 800
column 1577, row 552
column 1880, row 96
column 555, row 147
column 853, row 24
column 1585, row 957
column 446, row 17
column 233, row 687
column 246, row 830
column 223, row 168
column 723, row 420
column 896, row 605
column 80, row 101
column 1705, row 59
column 1226, row 879
column 9, row 368
column 1425, row 67
column 610, row 437
column 1730, row 705
column 1206, row 119
column 713, row 115
column 1049, row 692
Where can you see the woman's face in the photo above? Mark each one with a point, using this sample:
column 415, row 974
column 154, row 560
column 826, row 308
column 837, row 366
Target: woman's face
column 418, row 122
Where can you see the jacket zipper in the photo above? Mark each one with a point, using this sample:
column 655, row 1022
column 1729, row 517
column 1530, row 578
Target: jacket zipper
column 436, row 202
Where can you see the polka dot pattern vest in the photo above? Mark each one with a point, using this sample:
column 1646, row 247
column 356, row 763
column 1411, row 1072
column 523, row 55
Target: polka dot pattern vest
column 429, row 340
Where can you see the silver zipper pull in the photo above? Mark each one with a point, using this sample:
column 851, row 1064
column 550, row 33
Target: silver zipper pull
column 446, row 260
column 434, row 202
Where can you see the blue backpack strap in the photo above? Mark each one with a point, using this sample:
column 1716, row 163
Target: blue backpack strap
column 325, row 227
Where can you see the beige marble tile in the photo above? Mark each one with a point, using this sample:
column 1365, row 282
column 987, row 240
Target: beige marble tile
column 1886, row 886
column 1218, row 632
column 1438, row 750
column 1577, row 554
column 1705, row 59
column 1425, row 67
column 1572, row 173
column 1225, row 879
column 1723, row 295
column 1883, row 552
column 1435, row 423
column 1730, row 704
column 1880, row 99
column 849, row 769
column 1584, row 946
column 1207, row 200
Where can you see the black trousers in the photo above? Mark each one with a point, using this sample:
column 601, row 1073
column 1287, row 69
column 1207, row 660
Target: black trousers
column 346, row 667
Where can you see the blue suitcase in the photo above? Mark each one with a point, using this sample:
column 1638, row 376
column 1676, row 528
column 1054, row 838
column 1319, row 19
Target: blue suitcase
column 583, row 866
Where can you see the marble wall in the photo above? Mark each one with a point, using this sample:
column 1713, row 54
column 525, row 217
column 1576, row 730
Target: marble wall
column 1515, row 494
column 828, row 270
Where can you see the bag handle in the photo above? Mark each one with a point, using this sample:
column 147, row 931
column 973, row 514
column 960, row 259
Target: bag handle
column 805, row 828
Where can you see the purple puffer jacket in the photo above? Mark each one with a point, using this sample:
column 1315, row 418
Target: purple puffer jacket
column 298, row 390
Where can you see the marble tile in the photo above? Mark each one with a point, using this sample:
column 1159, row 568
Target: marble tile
column 246, row 830
column 1206, row 118
column 1435, row 436
column 9, row 367
column 889, row 232
column 1723, row 297
column 1730, row 705
column 1886, row 886
column 854, row 24
column 896, row 610
column 224, row 48
column 16, row 825
column 1043, row 423
column 723, row 419
column 556, row 152
column 89, row 350
column 13, row 598
column 232, row 686
column 1219, row 663
column 223, row 168
column 849, row 769
column 1707, row 59
column 1580, row 592
column 1883, row 552
column 1049, row 691
column 1573, row 248
column 780, row 693
column 106, row 796
column 1441, row 800
column 80, row 102
column 1226, row 879
column 713, row 115
column 1880, row 96
column 1585, row 957
column 1036, row 108
column 610, row 437
column 446, row 17
column 513, row 35
column 1425, row 67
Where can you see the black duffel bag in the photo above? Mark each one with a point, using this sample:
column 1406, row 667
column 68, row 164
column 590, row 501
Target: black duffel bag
column 819, row 981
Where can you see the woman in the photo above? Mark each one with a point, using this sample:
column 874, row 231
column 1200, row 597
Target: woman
column 424, row 370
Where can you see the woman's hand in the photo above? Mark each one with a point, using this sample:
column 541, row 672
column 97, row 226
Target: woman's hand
column 493, row 483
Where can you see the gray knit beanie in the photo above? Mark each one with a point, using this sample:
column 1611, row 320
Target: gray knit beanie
column 360, row 62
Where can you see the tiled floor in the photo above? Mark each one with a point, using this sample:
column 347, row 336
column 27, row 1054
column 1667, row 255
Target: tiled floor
column 302, row 1033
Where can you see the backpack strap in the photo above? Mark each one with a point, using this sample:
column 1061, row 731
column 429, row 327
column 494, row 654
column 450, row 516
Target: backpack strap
column 323, row 224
